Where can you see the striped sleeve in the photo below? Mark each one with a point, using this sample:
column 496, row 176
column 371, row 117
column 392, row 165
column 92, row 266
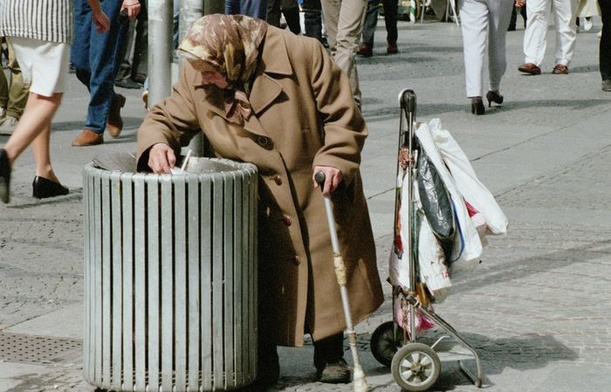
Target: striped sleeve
column 46, row 20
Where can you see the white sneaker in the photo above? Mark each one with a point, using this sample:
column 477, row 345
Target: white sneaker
column 587, row 26
column 8, row 125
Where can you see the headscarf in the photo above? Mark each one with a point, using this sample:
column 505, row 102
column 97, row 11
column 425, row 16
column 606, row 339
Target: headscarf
column 231, row 44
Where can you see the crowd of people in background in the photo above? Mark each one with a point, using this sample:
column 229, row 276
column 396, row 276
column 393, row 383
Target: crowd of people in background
column 345, row 27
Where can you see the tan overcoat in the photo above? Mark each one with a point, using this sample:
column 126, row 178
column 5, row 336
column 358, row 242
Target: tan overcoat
column 303, row 115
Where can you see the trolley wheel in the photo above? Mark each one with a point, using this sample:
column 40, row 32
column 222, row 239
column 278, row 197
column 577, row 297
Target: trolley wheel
column 416, row 367
column 383, row 343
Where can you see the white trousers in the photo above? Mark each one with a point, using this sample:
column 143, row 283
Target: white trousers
column 484, row 26
column 535, row 41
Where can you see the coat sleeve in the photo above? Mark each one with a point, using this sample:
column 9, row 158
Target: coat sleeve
column 172, row 121
column 343, row 125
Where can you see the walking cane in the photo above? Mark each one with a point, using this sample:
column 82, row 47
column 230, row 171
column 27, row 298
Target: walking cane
column 359, row 381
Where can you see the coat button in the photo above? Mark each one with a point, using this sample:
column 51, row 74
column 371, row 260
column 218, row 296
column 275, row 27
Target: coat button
column 287, row 220
column 277, row 180
column 296, row 260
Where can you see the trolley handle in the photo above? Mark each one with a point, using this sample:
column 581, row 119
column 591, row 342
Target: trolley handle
column 407, row 101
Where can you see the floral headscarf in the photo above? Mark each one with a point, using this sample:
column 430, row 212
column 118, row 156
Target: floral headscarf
column 231, row 44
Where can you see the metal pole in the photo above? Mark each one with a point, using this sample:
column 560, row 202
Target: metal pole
column 190, row 11
column 159, row 49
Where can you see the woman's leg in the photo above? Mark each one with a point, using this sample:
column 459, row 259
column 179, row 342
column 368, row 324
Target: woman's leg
column 35, row 128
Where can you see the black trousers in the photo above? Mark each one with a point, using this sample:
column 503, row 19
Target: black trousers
column 604, row 60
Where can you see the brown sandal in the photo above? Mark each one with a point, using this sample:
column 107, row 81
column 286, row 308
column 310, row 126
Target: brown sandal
column 560, row 69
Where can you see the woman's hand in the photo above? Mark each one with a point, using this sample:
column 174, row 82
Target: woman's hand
column 333, row 177
column 132, row 7
column 161, row 158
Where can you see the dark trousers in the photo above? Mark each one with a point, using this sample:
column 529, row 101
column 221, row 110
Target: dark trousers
column 312, row 18
column 391, row 9
column 514, row 17
column 604, row 60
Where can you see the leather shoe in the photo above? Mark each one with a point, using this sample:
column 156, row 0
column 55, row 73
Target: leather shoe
column 335, row 373
column 365, row 50
column 5, row 177
column 530, row 68
column 88, row 138
column 114, row 124
column 561, row 69
column 392, row 48
column 43, row 188
column 607, row 85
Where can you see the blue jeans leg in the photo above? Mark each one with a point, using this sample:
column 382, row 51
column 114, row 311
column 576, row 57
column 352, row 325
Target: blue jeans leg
column 94, row 56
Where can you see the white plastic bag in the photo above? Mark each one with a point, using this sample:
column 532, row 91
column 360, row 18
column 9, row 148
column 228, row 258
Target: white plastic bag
column 432, row 265
column 467, row 245
column 467, row 183
column 399, row 255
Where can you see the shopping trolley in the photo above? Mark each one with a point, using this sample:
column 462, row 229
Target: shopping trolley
column 415, row 366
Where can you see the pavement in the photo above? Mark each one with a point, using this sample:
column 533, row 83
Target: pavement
column 538, row 308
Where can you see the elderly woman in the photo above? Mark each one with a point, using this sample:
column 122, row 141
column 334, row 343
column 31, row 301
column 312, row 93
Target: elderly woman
column 266, row 96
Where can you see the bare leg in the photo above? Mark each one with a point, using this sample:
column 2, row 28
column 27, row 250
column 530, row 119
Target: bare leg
column 34, row 128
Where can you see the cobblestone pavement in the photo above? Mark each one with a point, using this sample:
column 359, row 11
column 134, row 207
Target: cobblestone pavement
column 537, row 310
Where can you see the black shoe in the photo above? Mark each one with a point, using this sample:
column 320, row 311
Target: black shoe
column 335, row 373
column 494, row 96
column 43, row 188
column 477, row 106
column 128, row 83
column 5, row 177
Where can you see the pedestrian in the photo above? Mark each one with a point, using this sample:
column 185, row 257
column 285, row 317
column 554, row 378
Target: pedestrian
column 586, row 9
column 535, row 36
column 133, row 52
column 344, row 23
column 391, row 10
column 13, row 94
column 266, row 96
column 312, row 21
column 290, row 10
column 484, row 25
column 41, row 40
column 254, row 8
column 521, row 6
column 95, row 57
column 604, row 52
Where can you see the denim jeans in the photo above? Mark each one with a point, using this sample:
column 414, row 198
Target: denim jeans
column 95, row 59
column 253, row 8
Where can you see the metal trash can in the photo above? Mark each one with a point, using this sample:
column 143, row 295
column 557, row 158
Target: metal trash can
column 170, row 278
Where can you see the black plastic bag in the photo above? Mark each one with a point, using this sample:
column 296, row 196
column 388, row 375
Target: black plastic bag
column 436, row 202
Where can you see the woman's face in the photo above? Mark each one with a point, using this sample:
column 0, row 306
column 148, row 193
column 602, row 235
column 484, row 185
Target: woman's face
column 210, row 74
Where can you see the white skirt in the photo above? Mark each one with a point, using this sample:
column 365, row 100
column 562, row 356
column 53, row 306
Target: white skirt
column 44, row 65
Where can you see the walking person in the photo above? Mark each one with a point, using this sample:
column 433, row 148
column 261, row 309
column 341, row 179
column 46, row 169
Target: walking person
column 95, row 60
column 266, row 96
column 484, row 26
column 312, row 21
column 41, row 40
column 391, row 10
column 604, row 55
column 344, row 23
column 535, row 41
